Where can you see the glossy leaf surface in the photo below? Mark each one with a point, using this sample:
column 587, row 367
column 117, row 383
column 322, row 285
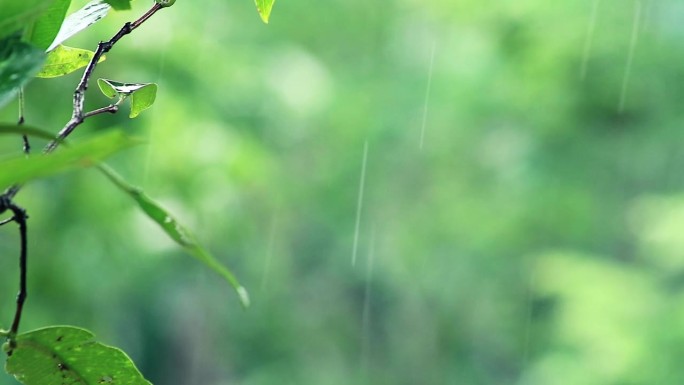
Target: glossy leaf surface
column 90, row 14
column 15, row 15
column 68, row 355
column 44, row 29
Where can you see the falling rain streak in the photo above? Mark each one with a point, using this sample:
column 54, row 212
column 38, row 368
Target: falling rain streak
column 426, row 102
column 359, row 203
column 630, row 56
column 590, row 39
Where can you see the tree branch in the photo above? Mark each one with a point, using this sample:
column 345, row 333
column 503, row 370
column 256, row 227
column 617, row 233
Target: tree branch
column 78, row 116
column 19, row 216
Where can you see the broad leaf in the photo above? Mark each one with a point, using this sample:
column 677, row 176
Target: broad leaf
column 80, row 20
column 264, row 8
column 175, row 230
column 17, row 14
column 69, row 355
column 16, row 129
column 87, row 153
column 44, row 29
column 19, row 62
column 65, row 60
column 119, row 5
column 142, row 94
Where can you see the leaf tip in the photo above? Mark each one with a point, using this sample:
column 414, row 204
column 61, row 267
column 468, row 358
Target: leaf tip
column 244, row 296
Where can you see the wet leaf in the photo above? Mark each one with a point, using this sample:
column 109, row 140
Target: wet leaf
column 69, row 355
column 120, row 5
column 17, row 14
column 142, row 94
column 175, row 230
column 264, row 8
column 65, row 60
column 44, row 29
column 19, row 62
column 90, row 14
column 87, row 153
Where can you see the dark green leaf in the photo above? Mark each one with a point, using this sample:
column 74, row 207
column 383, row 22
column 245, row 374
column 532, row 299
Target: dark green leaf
column 44, row 29
column 87, row 153
column 175, row 230
column 69, row 355
column 15, row 15
column 264, row 8
column 64, row 60
column 119, row 5
column 80, row 20
column 16, row 129
column 142, row 94
column 19, row 62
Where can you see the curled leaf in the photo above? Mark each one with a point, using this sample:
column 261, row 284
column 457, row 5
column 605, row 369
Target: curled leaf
column 142, row 95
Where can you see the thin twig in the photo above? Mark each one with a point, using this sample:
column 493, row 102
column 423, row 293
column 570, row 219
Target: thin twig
column 27, row 146
column 78, row 116
column 20, row 217
column 112, row 108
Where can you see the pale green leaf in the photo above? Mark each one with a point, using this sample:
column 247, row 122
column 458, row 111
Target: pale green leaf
column 21, row 169
column 43, row 30
column 68, row 355
column 19, row 62
column 264, row 8
column 143, row 99
column 175, row 231
column 65, row 60
column 90, row 14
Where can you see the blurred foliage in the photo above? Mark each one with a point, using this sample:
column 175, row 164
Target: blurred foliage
column 534, row 239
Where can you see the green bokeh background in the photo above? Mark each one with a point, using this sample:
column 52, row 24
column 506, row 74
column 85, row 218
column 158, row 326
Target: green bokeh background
column 523, row 203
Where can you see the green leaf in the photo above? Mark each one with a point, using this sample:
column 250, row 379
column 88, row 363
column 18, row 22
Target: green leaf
column 65, row 60
column 119, row 5
column 142, row 94
column 19, row 61
column 44, row 29
column 16, row 129
column 68, row 355
column 90, row 14
column 87, row 153
column 175, row 230
column 264, row 8
column 17, row 14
